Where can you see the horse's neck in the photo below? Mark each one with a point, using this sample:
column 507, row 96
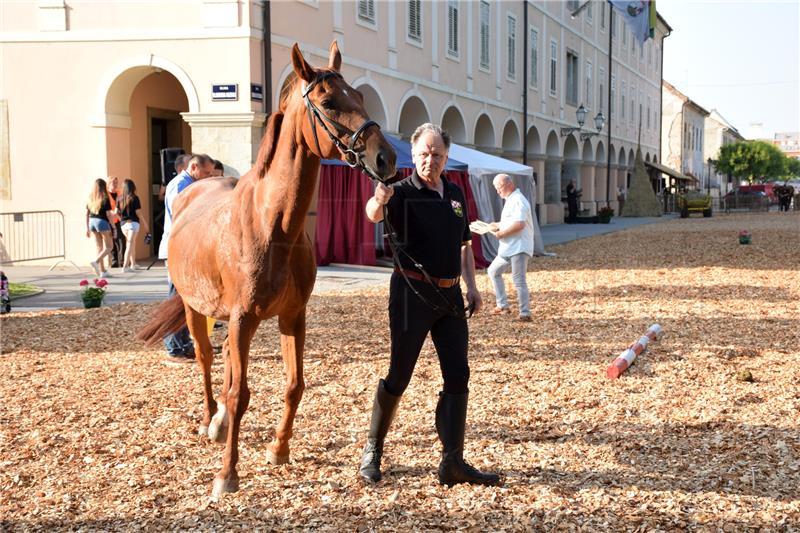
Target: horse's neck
column 284, row 195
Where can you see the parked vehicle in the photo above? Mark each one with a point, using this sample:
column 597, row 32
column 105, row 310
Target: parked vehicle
column 767, row 188
column 752, row 200
column 694, row 202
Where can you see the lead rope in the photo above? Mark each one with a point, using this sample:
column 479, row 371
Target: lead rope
column 454, row 310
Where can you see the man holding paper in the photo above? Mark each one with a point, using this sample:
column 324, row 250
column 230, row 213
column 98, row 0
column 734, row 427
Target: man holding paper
column 515, row 233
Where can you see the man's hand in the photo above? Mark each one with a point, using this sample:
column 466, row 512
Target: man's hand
column 383, row 193
column 474, row 300
column 375, row 204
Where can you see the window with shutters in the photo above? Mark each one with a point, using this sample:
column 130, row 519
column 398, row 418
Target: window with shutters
column 366, row 11
column 452, row 28
column 511, row 47
column 601, row 93
column 572, row 78
column 589, row 87
column 589, row 14
column 633, row 105
column 415, row 20
column 622, row 100
column 534, row 43
column 613, row 95
column 484, row 34
column 603, row 16
column 553, row 66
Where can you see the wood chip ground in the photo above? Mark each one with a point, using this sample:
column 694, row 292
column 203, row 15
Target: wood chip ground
column 97, row 434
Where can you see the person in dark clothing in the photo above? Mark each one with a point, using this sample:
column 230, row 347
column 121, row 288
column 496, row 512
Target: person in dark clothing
column 117, row 238
column 572, row 202
column 428, row 218
column 98, row 213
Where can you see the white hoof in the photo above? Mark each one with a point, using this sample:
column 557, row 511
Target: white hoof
column 277, row 459
column 218, row 428
column 221, row 486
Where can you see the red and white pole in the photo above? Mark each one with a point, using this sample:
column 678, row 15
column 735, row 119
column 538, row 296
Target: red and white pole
column 627, row 356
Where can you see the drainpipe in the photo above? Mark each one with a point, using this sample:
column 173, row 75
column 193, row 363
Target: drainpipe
column 525, row 83
column 608, row 148
column 267, row 41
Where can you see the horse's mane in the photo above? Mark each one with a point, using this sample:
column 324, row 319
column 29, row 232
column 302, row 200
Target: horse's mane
column 268, row 144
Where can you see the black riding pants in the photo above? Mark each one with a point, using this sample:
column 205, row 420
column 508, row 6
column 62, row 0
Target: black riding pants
column 410, row 320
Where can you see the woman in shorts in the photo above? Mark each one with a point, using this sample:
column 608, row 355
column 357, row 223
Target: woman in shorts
column 98, row 213
column 129, row 207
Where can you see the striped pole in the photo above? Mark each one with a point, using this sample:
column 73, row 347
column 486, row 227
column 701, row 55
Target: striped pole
column 627, row 356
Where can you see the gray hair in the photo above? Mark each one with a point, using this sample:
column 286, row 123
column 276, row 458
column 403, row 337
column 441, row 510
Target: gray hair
column 503, row 178
column 433, row 128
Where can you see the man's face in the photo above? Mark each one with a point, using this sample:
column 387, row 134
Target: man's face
column 429, row 155
column 502, row 187
column 200, row 172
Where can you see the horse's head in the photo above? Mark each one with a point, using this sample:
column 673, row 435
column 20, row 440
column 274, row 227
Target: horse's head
column 337, row 126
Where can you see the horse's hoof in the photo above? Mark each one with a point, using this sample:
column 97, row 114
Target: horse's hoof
column 277, row 459
column 202, row 430
column 221, row 486
column 218, row 428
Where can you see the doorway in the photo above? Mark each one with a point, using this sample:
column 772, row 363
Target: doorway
column 165, row 132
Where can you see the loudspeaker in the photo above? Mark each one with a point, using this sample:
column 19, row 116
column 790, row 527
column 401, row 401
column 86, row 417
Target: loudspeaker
column 168, row 156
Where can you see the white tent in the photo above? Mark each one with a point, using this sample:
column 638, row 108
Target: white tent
column 482, row 170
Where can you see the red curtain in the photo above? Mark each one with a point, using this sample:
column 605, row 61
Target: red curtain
column 344, row 234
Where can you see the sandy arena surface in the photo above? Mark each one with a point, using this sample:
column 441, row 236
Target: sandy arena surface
column 97, row 434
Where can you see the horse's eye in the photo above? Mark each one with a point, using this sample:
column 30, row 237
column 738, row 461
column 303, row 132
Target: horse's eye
column 327, row 104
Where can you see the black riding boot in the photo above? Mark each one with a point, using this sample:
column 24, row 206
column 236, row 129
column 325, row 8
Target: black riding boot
column 383, row 408
column 451, row 418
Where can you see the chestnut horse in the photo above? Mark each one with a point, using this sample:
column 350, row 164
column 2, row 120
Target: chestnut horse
column 239, row 252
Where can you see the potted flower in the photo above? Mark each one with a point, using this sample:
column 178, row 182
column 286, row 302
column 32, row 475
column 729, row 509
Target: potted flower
column 744, row 237
column 604, row 214
column 92, row 296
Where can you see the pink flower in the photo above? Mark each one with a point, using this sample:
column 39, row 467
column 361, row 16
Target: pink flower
column 95, row 280
column 744, row 233
column 101, row 283
column 84, row 283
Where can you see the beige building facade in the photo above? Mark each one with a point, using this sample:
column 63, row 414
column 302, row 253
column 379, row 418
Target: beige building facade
column 91, row 89
column 718, row 133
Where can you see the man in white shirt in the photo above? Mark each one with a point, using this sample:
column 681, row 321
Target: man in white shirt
column 515, row 233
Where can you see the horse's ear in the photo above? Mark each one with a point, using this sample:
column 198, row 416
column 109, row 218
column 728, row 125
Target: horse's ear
column 301, row 67
column 268, row 144
column 335, row 59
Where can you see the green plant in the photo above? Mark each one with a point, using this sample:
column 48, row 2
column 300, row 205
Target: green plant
column 96, row 292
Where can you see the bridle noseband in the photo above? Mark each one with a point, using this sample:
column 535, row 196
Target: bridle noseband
column 348, row 151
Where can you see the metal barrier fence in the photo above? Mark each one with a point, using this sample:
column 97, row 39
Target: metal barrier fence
column 32, row 236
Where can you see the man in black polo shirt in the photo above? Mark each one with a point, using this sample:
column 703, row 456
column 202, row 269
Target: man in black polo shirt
column 427, row 216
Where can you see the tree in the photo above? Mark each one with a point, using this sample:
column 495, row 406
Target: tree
column 792, row 168
column 753, row 160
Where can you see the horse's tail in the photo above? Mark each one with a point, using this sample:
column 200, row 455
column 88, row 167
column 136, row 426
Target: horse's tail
column 169, row 317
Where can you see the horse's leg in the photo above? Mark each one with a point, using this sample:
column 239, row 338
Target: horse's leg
column 196, row 322
column 218, row 428
column 240, row 333
column 293, row 334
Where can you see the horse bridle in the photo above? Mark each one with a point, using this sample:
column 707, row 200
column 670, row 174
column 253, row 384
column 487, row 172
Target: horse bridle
column 348, row 151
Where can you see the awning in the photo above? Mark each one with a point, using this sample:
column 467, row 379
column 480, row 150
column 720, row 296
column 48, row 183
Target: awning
column 666, row 170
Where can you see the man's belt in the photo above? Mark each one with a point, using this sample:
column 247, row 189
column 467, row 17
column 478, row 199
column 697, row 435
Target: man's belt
column 444, row 283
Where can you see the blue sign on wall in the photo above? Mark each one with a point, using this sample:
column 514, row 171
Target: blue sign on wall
column 256, row 92
column 225, row 92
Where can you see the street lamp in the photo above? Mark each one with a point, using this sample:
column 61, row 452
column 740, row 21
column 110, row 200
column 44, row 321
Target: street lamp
column 599, row 121
column 708, row 183
column 580, row 115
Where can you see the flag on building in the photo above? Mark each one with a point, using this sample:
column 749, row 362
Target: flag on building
column 639, row 16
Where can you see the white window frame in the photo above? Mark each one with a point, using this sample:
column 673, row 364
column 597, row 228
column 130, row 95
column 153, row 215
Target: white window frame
column 533, row 37
column 624, row 34
column 633, row 104
column 511, row 47
column 452, row 29
column 603, row 16
column 365, row 21
column 410, row 38
column 589, row 85
column 589, row 14
column 573, row 89
column 484, row 30
column 623, row 90
column 553, row 67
